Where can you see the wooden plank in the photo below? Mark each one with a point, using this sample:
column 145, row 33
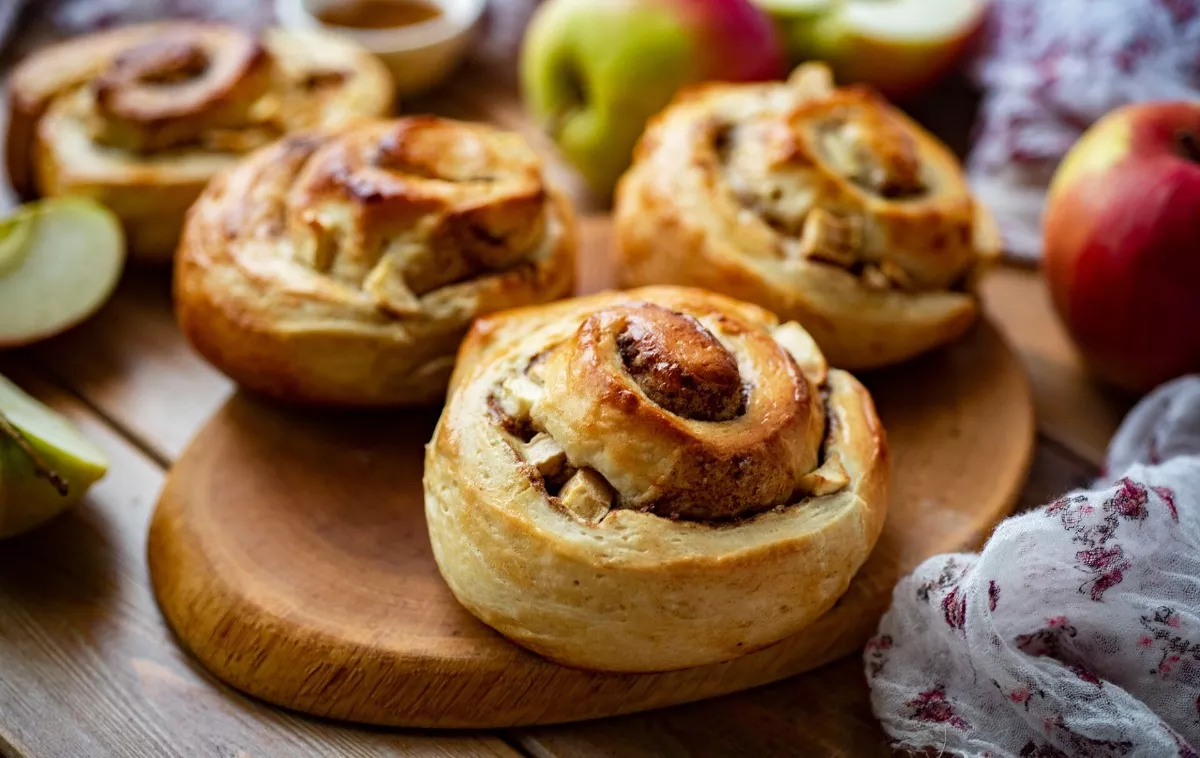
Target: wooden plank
column 778, row 720
column 133, row 344
column 1055, row 471
column 802, row 716
column 89, row 667
column 131, row 363
column 1072, row 407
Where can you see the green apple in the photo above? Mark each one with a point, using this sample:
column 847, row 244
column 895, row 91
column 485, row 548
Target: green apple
column 59, row 261
column 900, row 47
column 594, row 71
column 45, row 464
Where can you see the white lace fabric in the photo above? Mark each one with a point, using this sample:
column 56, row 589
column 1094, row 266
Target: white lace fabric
column 1051, row 68
column 1076, row 630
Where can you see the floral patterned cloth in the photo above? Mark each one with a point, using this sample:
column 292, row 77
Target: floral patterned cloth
column 1049, row 69
column 1076, row 631
column 1164, row 425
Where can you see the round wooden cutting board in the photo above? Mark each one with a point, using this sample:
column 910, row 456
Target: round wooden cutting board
column 289, row 553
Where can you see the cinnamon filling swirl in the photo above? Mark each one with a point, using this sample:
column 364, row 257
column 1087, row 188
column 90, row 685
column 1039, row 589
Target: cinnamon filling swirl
column 688, row 416
column 171, row 91
column 681, row 366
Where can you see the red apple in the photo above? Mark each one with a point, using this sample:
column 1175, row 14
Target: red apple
column 593, row 71
column 1122, row 244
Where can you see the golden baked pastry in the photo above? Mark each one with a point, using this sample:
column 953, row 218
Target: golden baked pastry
column 344, row 267
column 141, row 117
column 650, row 480
column 826, row 206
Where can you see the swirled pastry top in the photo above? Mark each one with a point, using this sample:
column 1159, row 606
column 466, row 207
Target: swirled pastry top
column 375, row 246
column 825, row 197
column 681, row 422
column 184, row 92
column 644, row 447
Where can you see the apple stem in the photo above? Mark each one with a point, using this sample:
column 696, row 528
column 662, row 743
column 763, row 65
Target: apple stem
column 39, row 466
column 1189, row 145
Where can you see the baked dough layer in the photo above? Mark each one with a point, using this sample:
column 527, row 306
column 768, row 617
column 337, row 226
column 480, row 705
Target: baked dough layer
column 141, row 117
column 651, row 480
column 827, row 206
column 343, row 268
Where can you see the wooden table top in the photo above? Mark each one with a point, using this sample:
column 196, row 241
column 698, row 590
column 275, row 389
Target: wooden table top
column 88, row 668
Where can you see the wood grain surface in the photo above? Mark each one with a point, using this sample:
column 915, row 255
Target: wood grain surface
column 766, row 721
column 96, row 365
column 88, row 667
column 289, row 552
column 1072, row 408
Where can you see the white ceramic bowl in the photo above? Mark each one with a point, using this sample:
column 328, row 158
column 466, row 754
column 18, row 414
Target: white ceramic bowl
column 418, row 55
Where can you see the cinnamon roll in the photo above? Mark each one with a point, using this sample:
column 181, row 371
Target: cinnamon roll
column 651, row 480
column 344, row 267
column 141, row 117
column 827, row 206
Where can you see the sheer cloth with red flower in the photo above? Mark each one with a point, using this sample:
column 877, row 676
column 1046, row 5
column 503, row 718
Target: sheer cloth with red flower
column 1076, row 630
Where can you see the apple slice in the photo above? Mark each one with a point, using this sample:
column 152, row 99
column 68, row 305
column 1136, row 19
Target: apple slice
column 910, row 21
column 45, row 464
column 15, row 232
column 900, row 47
column 59, row 261
column 784, row 9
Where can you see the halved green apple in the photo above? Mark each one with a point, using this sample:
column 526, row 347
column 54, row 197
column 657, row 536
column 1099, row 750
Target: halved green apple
column 901, row 47
column 59, row 261
column 46, row 465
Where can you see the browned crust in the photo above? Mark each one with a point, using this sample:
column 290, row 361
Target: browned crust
column 667, row 232
column 49, row 72
column 636, row 591
column 668, row 249
column 264, row 345
column 149, row 196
